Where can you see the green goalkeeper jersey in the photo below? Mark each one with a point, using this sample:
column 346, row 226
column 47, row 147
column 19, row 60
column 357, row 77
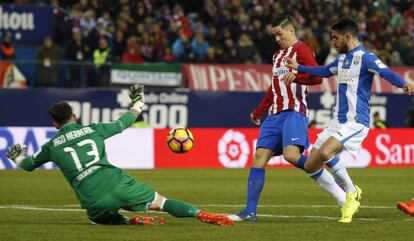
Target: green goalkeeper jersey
column 79, row 152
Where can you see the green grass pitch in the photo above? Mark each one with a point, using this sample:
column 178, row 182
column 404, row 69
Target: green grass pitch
column 41, row 206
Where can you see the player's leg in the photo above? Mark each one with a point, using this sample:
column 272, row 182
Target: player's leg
column 255, row 185
column 137, row 196
column 295, row 138
column 314, row 167
column 324, row 179
column 268, row 143
column 105, row 211
column 180, row 209
column 328, row 150
column 256, row 180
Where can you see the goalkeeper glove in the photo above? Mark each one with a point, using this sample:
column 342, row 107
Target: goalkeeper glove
column 17, row 153
column 136, row 93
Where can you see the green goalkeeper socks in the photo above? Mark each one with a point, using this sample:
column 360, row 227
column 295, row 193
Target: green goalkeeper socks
column 180, row 209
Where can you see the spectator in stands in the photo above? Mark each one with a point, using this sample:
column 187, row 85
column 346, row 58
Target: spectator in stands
column 102, row 60
column 210, row 56
column 94, row 35
column 6, row 49
column 219, row 55
column 87, row 22
column 247, row 51
column 132, row 54
column 168, row 56
column 147, row 47
column 211, row 37
column 182, row 49
column 105, row 19
column 47, row 57
column 76, row 53
column 200, row 47
column 396, row 18
column 377, row 122
column 308, row 38
column 118, row 45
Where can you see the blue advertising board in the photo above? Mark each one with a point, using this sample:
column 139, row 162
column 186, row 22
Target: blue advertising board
column 167, row 109
column 26, row 23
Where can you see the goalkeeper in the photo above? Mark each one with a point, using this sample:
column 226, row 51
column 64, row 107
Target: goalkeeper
column 103, row 189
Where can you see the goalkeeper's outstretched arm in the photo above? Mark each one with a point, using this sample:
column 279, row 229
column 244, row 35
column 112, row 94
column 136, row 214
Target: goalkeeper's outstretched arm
column 17, row 153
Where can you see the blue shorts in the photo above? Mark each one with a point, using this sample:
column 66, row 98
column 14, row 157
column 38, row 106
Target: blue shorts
column 284, row 129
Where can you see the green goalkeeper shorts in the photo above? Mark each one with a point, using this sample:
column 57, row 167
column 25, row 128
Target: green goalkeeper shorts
column 129, row 194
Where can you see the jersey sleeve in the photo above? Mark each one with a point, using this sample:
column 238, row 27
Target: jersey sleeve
column 306, row 57
column 39, row 158
column 112, row 128
column 322, row 71
column 376, row 66
column 264, row 104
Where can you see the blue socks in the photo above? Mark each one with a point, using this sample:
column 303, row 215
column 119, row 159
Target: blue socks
column 254, row 188
column 301, row 162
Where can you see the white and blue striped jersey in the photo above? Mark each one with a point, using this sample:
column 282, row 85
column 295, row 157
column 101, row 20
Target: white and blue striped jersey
column 355, row 71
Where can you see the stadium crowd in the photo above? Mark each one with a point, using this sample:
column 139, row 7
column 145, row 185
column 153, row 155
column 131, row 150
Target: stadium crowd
column 218, row 31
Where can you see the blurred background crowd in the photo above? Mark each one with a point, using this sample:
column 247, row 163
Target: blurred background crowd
column 102, row 32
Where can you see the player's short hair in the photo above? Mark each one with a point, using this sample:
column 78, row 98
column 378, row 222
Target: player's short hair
column 61, row 112
column 346, row 25
column 283, row 21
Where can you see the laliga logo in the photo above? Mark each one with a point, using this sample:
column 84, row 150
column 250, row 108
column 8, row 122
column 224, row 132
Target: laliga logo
column 233, row 149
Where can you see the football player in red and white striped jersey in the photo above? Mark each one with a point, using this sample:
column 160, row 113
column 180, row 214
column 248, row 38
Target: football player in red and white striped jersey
column 285, row 130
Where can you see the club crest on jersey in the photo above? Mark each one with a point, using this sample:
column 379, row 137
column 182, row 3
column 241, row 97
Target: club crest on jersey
column 356, row 60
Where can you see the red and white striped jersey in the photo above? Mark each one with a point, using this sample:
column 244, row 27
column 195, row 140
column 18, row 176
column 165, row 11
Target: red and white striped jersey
column 282, row 97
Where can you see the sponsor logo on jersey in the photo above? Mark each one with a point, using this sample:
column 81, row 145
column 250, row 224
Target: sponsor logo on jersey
column 280, row 72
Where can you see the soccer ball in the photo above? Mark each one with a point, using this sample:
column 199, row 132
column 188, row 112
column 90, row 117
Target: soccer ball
column 180, row 140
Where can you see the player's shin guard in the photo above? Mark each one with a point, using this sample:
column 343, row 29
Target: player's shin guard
column 339, row 170
column 254, row 188
column 301, row 162
column 326, row 181
column 180, row 209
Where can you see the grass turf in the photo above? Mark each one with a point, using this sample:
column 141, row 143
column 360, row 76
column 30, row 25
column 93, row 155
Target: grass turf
column 41, row 206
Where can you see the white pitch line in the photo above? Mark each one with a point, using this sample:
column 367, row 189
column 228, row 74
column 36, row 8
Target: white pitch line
column 58, row 208
column 220, row 205
column 290, row 206
column 41, row 208
column 314, row 217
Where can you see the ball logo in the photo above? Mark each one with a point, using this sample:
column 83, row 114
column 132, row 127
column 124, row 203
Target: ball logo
column 233, row 149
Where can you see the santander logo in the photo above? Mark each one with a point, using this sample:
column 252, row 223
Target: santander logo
column 233, row 149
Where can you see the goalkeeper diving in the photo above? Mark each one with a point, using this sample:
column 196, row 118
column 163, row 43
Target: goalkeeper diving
column 103, row 189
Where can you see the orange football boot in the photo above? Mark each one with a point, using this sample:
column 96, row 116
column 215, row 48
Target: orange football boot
column 407, row 207
column 147, row 221
column 217, row 219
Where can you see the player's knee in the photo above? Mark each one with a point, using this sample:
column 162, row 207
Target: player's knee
column 291, row 157
column 325, row 154
column 259, row 160
column 158, row 203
